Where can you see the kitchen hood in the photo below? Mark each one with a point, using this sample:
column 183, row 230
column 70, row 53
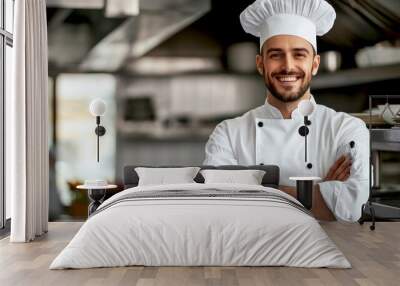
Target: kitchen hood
column 157, row 21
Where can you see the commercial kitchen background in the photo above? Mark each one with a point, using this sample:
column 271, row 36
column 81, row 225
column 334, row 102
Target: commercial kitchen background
column 170, row 70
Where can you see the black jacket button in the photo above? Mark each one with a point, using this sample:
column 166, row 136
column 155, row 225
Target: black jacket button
column 352, row 143
column 260, row 124
column 309, row 166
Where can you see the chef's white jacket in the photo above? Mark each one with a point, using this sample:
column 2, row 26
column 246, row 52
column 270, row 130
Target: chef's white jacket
column 262, row 136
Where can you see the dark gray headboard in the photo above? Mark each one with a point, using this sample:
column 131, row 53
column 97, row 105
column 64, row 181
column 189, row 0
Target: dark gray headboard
column 270, row 179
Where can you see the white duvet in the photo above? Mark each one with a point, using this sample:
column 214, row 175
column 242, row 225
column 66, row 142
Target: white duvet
column 200, row 231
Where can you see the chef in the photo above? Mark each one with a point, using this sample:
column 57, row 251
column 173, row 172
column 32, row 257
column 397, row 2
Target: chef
column 338, row 144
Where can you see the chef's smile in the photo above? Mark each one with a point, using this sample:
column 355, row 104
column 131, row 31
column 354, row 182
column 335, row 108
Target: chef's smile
column 288, row 80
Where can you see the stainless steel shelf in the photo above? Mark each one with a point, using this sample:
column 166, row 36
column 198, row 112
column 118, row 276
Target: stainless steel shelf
column 384, row 211
column 385, row 139
column 351, row 77
column 386, row 205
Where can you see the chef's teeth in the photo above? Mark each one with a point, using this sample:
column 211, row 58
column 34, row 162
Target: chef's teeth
column 288, row 78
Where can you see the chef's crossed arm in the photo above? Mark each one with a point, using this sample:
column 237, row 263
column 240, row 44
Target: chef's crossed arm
column 219, row 148
column 345, row 198
column 343, row 194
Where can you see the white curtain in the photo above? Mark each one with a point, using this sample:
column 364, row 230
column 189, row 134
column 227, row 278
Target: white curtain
column 27, row 124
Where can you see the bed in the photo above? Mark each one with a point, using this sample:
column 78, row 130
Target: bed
column 199, row 224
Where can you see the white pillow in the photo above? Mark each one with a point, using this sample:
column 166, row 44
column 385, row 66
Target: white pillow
column 248, row 177
column 164, row 176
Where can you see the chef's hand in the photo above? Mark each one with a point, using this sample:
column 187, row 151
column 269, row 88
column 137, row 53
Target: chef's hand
column 340, row 171
column 319, row 207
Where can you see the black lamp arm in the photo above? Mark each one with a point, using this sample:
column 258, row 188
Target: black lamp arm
column 100, row 131
column 305, row 139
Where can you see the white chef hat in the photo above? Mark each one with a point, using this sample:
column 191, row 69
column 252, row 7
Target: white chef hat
column 303, row 18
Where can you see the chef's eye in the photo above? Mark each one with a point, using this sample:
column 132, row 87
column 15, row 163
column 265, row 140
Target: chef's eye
column 300, row 55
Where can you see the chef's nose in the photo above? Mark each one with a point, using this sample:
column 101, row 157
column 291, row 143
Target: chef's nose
column 288, row 63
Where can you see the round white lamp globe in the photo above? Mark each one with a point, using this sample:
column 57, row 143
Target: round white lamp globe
column 97, row 107
column 306, row 107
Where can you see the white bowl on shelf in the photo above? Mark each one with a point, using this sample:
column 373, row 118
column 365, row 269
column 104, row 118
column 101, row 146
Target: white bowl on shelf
column 378, row 56
column 387, row 114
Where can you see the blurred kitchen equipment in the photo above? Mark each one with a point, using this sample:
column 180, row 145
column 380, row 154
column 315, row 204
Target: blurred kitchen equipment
column 396, row 119
column 378, row 55
column 121, row 8
column 382, row 140
column 330, row 61
column 389, row 112
column 375, row 119
column 241, row 57
column 138, row 109
column 382, row 114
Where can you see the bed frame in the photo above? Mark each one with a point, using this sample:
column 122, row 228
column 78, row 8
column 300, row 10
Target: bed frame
column 270, row 179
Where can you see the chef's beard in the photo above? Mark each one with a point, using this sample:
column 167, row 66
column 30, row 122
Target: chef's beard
column 288, row 96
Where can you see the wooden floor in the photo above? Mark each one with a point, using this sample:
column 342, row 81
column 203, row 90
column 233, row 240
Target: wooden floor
column 375, row 256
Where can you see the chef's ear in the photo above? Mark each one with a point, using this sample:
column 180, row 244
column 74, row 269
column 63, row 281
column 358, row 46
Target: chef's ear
column 315, row 65
column 260, row 64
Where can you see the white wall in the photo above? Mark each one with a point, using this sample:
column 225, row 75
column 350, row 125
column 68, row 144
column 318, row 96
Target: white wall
column 76, row 140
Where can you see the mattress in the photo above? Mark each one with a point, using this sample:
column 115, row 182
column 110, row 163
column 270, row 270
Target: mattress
column 201, row 225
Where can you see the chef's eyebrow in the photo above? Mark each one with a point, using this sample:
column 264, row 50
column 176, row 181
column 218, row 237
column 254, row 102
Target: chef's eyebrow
column 301, row 50
column 270, row 50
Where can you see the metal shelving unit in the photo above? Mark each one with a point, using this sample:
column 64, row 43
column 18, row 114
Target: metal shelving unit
column 357, row 76
column 385, row 139
column 383, row 205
